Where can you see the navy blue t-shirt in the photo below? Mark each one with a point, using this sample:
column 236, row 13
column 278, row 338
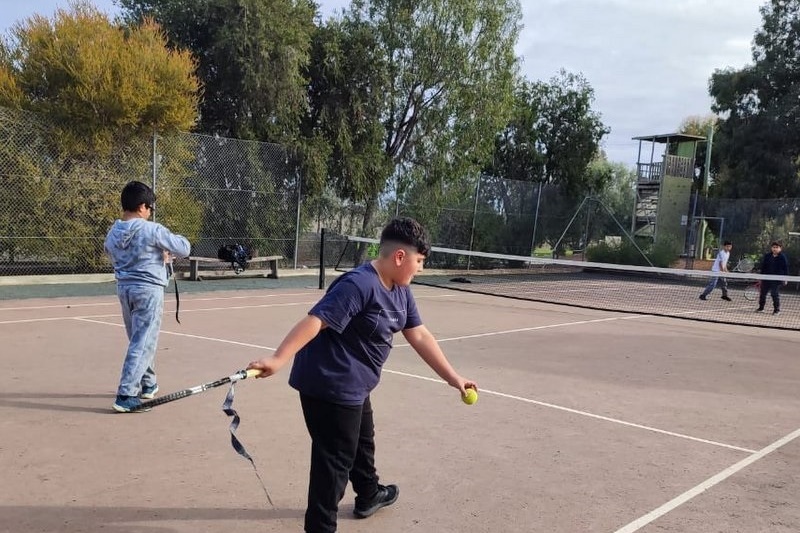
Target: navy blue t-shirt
column 342, row 364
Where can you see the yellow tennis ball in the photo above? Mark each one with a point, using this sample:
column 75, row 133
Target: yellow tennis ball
column 470, row 397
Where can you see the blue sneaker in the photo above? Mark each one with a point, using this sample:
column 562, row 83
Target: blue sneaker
column 148, row 393
column 126, row 404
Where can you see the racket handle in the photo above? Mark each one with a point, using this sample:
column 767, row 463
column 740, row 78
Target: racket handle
column 253, row 372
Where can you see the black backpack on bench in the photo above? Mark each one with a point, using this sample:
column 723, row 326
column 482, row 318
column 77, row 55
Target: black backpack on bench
column 235, row 254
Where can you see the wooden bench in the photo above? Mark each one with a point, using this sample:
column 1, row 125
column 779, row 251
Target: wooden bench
column 195, row 263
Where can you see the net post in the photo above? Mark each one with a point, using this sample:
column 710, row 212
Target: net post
column 322, row 259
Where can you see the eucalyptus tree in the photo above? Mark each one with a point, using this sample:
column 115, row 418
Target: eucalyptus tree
column 552, row 138
column 757, row 145
column 251, row 58
column 426, row 85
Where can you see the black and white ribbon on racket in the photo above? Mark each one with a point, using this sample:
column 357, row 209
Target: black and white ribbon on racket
column 171, row 274
column 227, row 408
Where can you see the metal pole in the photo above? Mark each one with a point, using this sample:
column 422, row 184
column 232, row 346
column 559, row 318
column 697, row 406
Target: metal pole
column 155, row 169
column 707, row 174
column 474, row 216
column 558, row 243
column 586, row 229
column 690, row 246
column 536, row 219
column 629, row 235
column 322, row 258
column 297, row 221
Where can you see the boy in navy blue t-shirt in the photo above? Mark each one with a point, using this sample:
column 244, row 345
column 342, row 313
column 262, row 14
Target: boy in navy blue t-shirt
column 340, row 347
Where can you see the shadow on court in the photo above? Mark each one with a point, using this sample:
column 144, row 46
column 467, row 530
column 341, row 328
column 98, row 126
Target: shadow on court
column 69, row 519
column 31, row 400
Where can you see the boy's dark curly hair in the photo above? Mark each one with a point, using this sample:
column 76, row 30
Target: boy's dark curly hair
column 136, row 193
column 407, row 231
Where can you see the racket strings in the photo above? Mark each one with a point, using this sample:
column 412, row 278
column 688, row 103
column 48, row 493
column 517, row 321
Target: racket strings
column 227, row 408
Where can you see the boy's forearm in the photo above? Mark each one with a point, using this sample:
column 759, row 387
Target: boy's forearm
column 300, row 335
column 429, row 350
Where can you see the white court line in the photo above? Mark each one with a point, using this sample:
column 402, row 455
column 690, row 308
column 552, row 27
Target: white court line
column 534, row 328
column 178, row 334
column 588, row 414
column 51, row 319
column 166, row 300
column 707, row 484
column 62, row 306
column 519, row 398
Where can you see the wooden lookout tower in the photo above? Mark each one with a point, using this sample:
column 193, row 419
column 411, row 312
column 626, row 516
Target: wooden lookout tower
column 664, row 179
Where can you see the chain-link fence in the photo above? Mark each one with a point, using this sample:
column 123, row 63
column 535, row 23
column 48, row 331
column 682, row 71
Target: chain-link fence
column 56, row 207
column 751, row 225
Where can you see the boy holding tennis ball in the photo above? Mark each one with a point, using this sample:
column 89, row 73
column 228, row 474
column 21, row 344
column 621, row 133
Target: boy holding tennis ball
column 137, row 248
column 339, row 349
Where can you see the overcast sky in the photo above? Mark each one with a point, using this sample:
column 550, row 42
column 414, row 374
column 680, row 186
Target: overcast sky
column 649, row 61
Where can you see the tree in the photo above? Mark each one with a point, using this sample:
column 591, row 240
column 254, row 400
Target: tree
column 551, row 139
column 445, row 69
column 104, row 90
column 617, row 194
column 96, row 80
column 700, row 127
column 349, row 79
column 553, row 135
column 250, row 57
column 758, row 141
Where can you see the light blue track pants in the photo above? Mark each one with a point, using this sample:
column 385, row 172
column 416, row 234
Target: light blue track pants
column 142, row 307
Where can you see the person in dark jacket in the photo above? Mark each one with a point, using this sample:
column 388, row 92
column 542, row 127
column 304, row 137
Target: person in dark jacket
column 774, row 263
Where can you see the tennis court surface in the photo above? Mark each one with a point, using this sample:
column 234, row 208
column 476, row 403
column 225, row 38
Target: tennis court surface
column 588, row 421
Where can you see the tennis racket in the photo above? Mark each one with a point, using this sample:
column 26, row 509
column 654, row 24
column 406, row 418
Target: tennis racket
column 233, row 378
column 752, row 291
column 745, row 265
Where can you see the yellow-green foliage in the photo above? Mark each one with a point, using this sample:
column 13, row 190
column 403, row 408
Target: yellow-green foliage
column 98, row 80
column 98, row 92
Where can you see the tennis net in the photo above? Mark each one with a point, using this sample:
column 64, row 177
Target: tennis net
column 669, row 292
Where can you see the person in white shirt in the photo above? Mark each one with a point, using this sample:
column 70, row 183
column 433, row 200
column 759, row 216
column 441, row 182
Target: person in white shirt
column 720, row 265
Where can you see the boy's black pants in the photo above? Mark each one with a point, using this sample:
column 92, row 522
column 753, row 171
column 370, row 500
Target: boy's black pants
column 342, row 448
column 771, row 287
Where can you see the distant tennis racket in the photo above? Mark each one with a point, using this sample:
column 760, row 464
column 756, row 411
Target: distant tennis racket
column 233, row 378
column 745, row 265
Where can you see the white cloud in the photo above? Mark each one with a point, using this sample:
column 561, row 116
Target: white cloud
column 649, row 61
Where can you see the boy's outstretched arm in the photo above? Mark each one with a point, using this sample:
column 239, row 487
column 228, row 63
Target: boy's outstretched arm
column 423, row 341
column 298, row 336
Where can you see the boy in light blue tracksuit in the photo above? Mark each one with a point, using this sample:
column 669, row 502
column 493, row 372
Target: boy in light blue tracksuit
column 139, row 249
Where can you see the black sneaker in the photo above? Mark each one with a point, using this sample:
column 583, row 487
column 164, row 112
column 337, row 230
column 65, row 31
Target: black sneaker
column 703, row 297
column 760, row 310
column 385, row 496
column 726, row 297
column 776, row 312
